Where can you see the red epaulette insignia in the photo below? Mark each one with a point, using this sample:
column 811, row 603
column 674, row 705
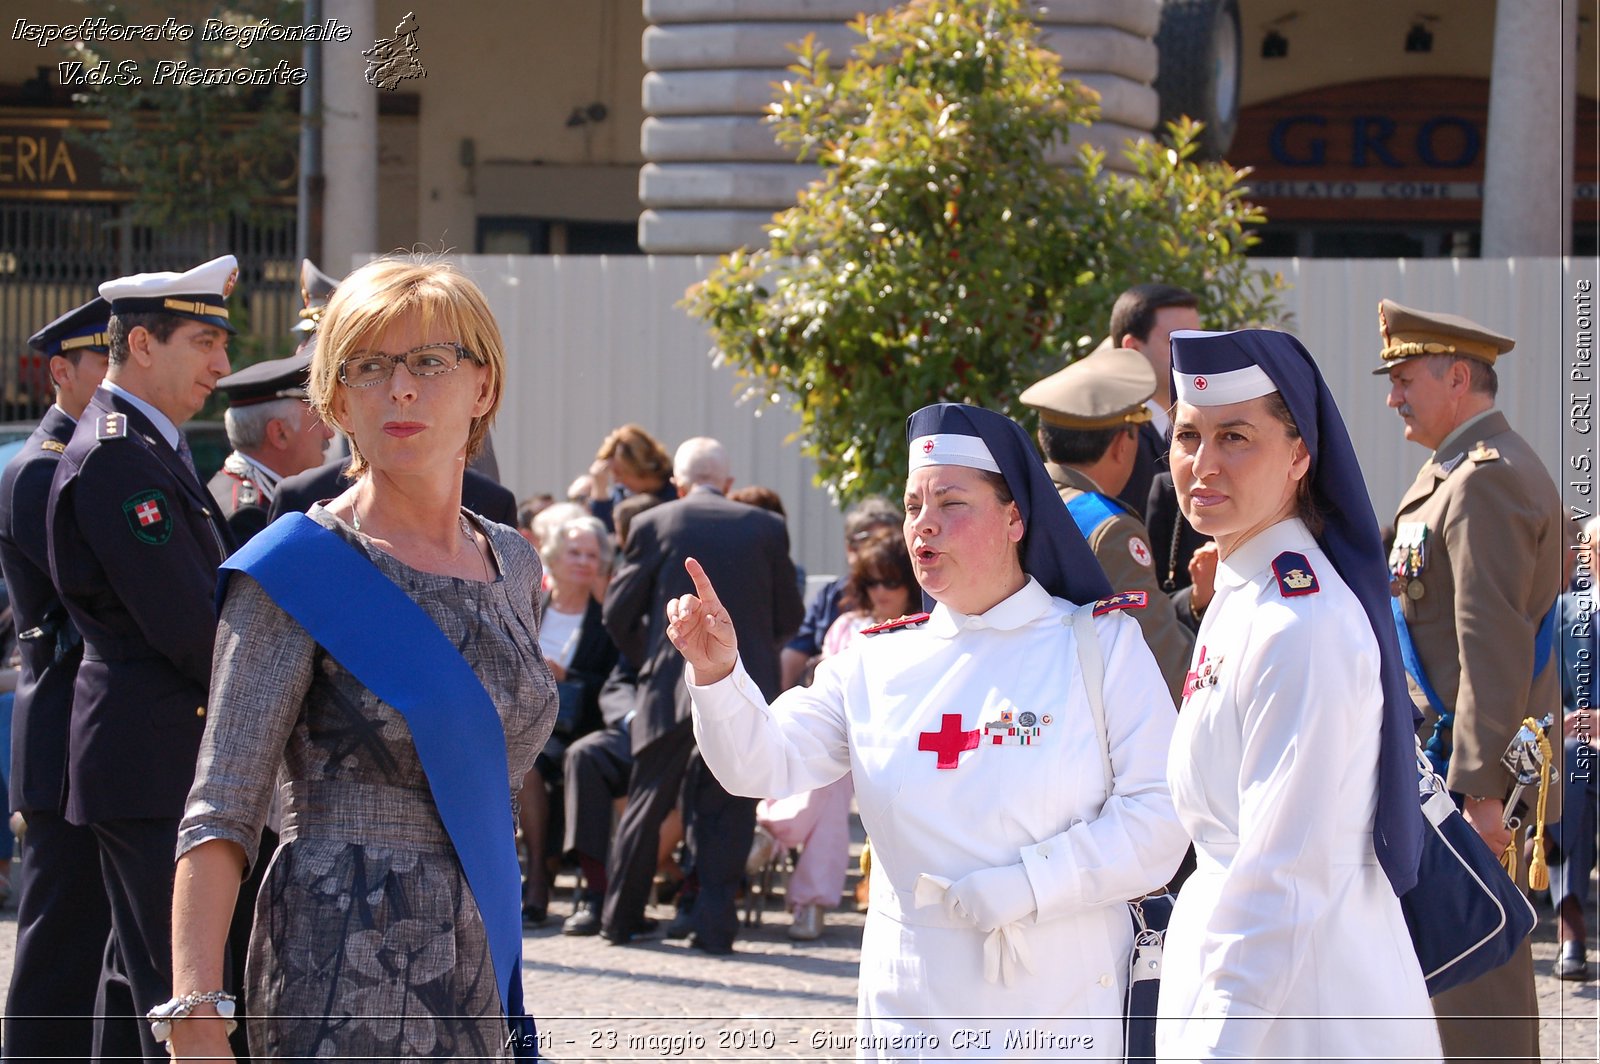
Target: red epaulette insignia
column 1126, row 600
column 899, row 622
column 1294, row 575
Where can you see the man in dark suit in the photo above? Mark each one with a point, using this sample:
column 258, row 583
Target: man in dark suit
column 745, row 549
column 134, row 544
column 1143, row 320
column 274, row 434
column 328, row 481
column 63, row 919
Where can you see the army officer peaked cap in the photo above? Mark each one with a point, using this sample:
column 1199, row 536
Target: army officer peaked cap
column 1409, row 333
column 1104, row 389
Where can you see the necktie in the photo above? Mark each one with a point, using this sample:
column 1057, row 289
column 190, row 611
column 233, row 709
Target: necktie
column 187, row 455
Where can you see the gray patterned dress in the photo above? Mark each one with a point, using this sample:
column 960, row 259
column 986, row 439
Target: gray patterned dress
column 367, row 942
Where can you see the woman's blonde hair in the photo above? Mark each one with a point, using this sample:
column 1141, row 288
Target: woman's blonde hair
column 380, row 294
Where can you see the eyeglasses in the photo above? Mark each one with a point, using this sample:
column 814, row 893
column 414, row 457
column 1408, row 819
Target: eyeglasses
column 375, row 367
column 887, row 585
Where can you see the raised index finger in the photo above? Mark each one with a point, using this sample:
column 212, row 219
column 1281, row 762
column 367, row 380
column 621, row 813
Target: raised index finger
column 702, row 583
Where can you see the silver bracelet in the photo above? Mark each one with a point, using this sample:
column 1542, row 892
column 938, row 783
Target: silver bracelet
column 178, row 1008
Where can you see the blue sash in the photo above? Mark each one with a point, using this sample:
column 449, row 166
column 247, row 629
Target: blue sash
column 1090, row 510
column 372, row 628
column 1438, row 756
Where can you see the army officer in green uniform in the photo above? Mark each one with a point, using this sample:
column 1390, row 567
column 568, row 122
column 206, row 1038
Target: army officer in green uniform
column 1089, row 418
column 1476, row 567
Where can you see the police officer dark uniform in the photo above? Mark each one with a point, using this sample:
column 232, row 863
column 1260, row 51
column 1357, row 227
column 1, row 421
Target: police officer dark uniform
column 1476, row 567
column 62, row 915
column 1090, row 415
column 274, row 433
column 134, row 545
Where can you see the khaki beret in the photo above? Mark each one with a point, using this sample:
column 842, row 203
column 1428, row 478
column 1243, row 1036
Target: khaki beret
column 1101, row 390
column 1409, row 333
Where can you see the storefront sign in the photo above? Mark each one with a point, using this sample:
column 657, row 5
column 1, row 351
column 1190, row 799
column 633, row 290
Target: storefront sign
column 1397, row 149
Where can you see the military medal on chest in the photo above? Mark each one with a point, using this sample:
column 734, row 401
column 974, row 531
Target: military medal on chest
column 1204, row 674
column 1014, row 728
column 1408, row 558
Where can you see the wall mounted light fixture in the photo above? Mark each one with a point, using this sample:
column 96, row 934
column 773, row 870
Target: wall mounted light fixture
column 1420, row 38
column 1274, row 45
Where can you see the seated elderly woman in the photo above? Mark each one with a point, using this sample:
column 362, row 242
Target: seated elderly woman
column 1001, row 865
column 577, row 555
column 382, row 654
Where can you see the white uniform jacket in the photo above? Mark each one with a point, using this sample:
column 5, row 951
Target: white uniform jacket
column 1274, row 772
column 998, row 700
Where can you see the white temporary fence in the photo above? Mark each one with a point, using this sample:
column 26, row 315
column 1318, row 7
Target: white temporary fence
column 597, row 342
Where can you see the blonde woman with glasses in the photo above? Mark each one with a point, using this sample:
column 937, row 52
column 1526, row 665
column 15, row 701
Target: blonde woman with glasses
column 379, row 660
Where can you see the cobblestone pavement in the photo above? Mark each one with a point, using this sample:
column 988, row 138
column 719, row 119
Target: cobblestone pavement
column 774, row 999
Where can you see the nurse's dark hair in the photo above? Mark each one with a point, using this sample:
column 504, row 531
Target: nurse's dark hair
column 1305, row 501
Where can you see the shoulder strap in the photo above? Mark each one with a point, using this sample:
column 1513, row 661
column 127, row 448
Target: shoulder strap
column 1093, row 667
column 362, row 618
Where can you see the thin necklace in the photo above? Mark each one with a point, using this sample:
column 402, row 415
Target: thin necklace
column 466, row 533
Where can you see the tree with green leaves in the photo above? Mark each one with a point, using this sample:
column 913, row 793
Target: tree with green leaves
column 955, row 248
column 195, row 154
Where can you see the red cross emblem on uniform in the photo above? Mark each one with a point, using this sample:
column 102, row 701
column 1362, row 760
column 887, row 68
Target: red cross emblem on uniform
column 949, row 742
column 927, row 446
column 1200, row 383
column 148, row 513
column 1140, row 552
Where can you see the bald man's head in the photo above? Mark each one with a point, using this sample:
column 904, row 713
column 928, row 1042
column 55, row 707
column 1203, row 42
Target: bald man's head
column 701, row 460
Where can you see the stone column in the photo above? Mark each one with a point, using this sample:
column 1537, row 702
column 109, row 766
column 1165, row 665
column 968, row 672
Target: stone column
column 349, row 138
column 1527, row 182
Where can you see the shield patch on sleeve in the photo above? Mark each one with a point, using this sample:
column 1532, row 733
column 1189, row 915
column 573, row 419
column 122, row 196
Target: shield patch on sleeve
column 150, row 516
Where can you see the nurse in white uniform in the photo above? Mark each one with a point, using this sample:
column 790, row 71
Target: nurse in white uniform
column 1001, row 868
column 1293, row 765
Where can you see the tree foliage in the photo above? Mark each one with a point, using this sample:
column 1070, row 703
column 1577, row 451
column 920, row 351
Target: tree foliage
column 195, row 154
column 955, row 247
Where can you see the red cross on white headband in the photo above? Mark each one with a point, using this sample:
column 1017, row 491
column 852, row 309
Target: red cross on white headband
column 950, row 449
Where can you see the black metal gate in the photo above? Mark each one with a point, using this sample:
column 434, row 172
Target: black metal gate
column 53, row 256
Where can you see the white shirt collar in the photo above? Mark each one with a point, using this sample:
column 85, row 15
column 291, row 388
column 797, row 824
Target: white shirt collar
column 1026, row 605
column 69, row 417
column 1159, row 418
column 1246, row 562
column 162, row 422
